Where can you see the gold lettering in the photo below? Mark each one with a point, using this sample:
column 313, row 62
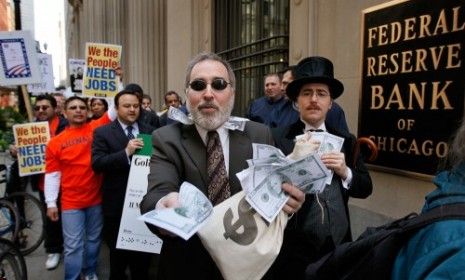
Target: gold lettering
column 414, row 92
column 376, row 95
column 393, row 58
column 396, row 32
column 395, row 97
column 371, row 66
column 383, row 38
column 425, row 21
column 413, row 148
column 440, row 95
column 409, row 33
column 400, row 142
column 426, row 148
column 435, row 57
column 371, row 36
column 406, row 57
column 442, row 149
column 420, row 61
column 382, row 70
column 455, row 21
column 453, row 54
column 441, row 24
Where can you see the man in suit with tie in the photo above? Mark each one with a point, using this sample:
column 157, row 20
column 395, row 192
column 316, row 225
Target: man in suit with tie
column 112, row 150
column 323, row 221
column 189, row 153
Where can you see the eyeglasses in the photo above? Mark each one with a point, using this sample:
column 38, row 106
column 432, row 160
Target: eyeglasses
column 217, row 84
column 319, row 93
column 75, row 107
column 43, row 107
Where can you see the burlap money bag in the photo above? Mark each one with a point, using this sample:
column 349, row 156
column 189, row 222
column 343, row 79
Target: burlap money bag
column 240, row 242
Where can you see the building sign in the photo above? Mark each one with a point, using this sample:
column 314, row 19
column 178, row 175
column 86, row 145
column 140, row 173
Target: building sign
column 413, row 82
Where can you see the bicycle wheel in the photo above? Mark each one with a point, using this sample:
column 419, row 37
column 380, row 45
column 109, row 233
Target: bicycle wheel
column 32, row 220
column 9, row 217
column 12, row 263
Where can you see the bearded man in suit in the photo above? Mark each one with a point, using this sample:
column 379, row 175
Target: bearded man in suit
column 180, row 154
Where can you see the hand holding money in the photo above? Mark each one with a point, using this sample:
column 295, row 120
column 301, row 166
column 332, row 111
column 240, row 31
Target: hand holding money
column 305, row 145
column 335, row 161
column 296, row 198
column 168, row 201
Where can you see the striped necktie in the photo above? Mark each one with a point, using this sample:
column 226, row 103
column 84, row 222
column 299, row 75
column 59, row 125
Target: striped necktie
column 129, row 129
column 218, row 188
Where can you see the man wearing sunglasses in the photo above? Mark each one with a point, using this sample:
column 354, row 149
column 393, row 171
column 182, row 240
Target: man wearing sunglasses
column 69, row 171
column 263, row 109
column 184, row 153
column 45, row 111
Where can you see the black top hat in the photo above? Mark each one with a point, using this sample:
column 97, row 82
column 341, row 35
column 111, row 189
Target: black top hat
column 314, row 69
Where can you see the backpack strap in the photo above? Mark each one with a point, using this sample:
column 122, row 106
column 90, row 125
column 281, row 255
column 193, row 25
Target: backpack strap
column 442, row 212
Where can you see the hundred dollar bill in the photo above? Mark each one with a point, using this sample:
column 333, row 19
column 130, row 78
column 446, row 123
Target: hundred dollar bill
column 268, row 198
column 235, row 123
column 186, row 219
column 266, row 151
column 275, row 161
column 331, row 143
column 252, row 176
column 178, row 115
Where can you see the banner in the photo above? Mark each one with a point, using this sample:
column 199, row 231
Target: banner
column 18, row 60
column 134, row 234
column 46, row 73
column 31, row 140
column 76, row 70
column 413, row 69
column 100, row 79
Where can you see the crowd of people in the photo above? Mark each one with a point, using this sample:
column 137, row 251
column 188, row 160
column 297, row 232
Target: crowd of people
column 92, row 141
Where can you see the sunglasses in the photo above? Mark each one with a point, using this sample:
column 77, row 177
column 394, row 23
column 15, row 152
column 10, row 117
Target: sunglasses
column 43, row 107
column 217, row 84
column 74, row 107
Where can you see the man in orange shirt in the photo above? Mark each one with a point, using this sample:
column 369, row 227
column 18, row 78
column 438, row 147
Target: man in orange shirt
column 69, row 170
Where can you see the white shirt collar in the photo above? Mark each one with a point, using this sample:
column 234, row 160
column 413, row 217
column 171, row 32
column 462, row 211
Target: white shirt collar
column 222, row 132
column 135, row 127
column 308, row 126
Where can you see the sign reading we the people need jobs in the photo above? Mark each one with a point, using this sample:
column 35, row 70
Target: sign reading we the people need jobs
column 100, row 79
column 413, row 82
column 31, row 140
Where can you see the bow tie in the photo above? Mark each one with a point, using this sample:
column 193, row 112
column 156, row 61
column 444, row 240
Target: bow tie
column 315, row 130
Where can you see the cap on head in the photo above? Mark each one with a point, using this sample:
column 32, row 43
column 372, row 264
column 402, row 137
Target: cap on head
column 314, row 69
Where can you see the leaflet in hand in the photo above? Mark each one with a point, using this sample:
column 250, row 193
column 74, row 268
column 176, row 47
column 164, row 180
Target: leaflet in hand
column 186, row 219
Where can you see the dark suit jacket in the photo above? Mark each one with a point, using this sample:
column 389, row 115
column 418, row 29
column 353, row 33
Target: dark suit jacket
column 180, row 155
column 298, row 250
column 109, row 158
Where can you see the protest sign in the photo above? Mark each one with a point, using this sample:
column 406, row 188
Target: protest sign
column 134, row 234
column 18, row 60
column 100, row 79
column 46, row 71
column 76, row 70
column 31, row 140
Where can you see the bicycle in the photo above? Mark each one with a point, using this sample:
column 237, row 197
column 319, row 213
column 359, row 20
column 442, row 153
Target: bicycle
column 12, row 263
column 22, row 216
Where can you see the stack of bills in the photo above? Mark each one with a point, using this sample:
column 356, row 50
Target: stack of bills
column 269, row 169
column 185, row 220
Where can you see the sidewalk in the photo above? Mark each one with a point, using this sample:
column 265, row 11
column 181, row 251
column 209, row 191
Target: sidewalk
column 36, row 265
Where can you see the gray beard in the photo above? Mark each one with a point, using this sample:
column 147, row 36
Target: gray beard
column 211, row 121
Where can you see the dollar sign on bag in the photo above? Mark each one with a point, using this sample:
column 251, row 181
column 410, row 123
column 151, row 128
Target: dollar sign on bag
column 247, row 221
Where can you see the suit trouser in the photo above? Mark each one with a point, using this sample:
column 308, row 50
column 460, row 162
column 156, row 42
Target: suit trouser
column 120, row 260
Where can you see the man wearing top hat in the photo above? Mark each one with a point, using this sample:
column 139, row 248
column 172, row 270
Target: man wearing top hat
column 323, row 220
